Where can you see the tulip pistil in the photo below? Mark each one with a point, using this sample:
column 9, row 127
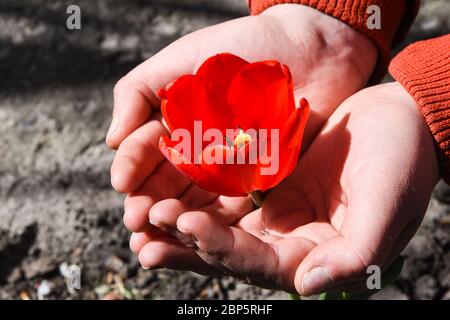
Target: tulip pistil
column 242, row 138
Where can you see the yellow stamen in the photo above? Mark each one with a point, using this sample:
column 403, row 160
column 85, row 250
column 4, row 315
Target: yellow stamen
column 241, row 139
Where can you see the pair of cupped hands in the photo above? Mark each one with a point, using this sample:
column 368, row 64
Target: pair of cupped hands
column 356, row 198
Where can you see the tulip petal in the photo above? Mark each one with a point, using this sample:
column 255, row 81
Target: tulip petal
column 221, row 69
column 192, row 98
column 229, row 93
column 231, row 174
column 291, row 137
column 261, row 95
column 193, row 171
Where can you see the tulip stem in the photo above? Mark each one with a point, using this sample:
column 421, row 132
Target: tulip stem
column 258, row 198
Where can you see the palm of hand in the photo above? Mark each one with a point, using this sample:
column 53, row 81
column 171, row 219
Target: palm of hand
column 344, row 208
column 140, row 170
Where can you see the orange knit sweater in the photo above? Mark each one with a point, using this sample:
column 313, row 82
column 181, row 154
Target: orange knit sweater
column 423, row 68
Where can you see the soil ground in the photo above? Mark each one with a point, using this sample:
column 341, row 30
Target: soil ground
column 57, row 203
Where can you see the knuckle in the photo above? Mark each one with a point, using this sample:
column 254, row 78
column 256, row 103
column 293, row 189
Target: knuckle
column 152, row 255
column 131, row 222
column 361, row 261
column 120, row 85
column 134, row 243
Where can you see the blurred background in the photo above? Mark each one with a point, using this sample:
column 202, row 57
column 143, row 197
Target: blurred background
column 57, row 205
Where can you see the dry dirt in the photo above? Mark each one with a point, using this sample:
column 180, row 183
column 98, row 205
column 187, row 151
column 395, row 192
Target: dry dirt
column 57, row 204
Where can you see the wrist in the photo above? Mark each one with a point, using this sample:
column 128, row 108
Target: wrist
column 326, row 52
column 327, row 35
column 394, row 19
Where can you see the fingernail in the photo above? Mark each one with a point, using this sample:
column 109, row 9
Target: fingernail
column 316, row 280
column 113, row 126
column 164, row 227
column 188, row 239
column 152, row 267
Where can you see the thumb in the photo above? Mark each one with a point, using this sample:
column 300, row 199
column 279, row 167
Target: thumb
column 135, row 93
column 333, row 264
column 373, row 229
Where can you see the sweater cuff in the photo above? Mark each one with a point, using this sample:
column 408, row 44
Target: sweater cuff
column 424, row 70
column 396, row 18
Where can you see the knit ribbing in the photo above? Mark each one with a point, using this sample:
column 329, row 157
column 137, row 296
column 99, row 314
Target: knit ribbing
column 424, row 70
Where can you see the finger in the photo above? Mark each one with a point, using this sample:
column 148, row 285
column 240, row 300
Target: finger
column 196, row 197
column 242, row 255
column 165, row 182
column 366, row 238
column 133, row 101
column 157, row 249
column 344, row 259
column 139, row 239
column 371, row 226
column 253, row 223
column 169, row 253
column 134, row 94
column 165, row 213
column 223, row 247
column 226, row 211
column 403, row 239
column 137, row 157
column 137, row 207
column 401, row 242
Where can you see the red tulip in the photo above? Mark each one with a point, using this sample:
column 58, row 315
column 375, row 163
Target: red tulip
column 228, row 92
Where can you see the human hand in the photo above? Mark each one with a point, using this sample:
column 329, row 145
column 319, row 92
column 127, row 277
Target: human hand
column 356, row 198
column 319, row 50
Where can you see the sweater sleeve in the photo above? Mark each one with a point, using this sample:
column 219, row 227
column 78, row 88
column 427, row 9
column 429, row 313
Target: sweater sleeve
column 396, row 18
column 423, row 69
